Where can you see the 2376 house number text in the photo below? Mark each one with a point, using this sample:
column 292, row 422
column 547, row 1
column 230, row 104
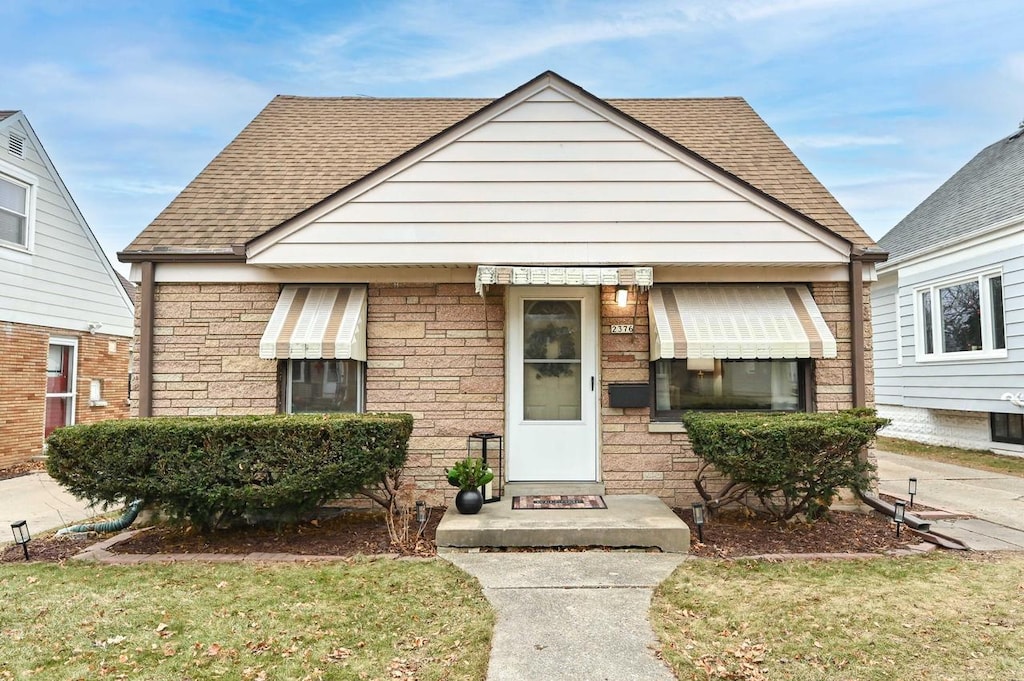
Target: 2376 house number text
column 622, row 328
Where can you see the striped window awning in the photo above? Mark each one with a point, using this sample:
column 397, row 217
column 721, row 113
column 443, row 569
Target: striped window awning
column 317, row 322
column 737, row 322
column 563, row 276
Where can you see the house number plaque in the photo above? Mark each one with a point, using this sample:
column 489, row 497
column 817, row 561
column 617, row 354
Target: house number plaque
column 622, row 328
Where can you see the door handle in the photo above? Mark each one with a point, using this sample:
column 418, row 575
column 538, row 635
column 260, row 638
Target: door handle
column 591, row 384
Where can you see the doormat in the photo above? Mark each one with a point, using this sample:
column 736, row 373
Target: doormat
column 558, row 501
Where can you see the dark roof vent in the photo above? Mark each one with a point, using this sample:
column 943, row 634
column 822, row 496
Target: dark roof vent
column 1020, row 131
column 16, row 145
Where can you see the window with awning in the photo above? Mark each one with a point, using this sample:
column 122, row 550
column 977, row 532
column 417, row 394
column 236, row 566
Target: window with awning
column 317, row 322
column 319, row 334
column 734, row 347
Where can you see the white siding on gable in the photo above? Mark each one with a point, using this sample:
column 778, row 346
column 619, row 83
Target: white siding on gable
column 64, row 281
column 551, row 180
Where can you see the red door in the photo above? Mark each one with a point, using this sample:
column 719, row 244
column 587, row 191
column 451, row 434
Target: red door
column 60, row 383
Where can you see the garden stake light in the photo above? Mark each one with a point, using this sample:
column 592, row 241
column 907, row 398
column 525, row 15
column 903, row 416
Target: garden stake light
column 912, row 490
column 698, row 519
column 899, row 513
column 421, row 512
column 21, row 535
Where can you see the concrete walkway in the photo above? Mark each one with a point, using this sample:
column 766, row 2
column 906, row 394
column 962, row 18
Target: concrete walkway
column 579, row 616
column 41, row 501
column 995, row 501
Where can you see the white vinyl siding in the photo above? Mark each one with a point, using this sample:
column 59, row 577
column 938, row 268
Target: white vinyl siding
column 886, row 341
column 551, row 181
column 62, row 280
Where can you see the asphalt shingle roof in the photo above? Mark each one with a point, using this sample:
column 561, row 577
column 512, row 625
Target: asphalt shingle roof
column 300, row 150
column 985, row 192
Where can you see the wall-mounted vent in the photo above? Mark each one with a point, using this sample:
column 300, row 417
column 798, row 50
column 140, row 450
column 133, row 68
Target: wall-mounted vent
column 16, row 145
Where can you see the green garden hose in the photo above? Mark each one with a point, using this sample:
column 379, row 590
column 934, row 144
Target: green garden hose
column 130, row 514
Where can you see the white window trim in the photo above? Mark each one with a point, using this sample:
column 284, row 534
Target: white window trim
column 72, row 393
column 30, row 182
column 987, row 352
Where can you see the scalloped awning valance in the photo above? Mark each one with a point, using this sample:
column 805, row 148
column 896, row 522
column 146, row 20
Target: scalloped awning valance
column 563, row 276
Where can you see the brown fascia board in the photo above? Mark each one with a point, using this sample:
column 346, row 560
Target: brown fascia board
column 234, row 254
column 869, row 255
column 586, row 95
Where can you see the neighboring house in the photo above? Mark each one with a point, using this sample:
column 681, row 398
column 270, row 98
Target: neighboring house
column 949, row 310
column 65, row 320
column 568, row 272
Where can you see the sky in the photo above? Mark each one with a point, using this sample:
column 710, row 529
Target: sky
column 881, row 100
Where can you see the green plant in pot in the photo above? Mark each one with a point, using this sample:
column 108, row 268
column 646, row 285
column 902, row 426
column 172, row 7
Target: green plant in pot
column 469, row 475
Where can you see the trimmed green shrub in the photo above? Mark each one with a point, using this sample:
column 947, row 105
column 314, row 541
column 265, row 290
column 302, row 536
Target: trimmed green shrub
column 790, row 463
column 215, row 471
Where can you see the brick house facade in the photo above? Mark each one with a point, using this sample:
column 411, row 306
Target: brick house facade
column 414, row 252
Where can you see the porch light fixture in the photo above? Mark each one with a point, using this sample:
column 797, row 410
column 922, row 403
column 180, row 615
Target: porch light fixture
column 621, row 296
column 21, row 535
column 912, row 490
column 421, row 512
column 899, row 515
column 698, row 519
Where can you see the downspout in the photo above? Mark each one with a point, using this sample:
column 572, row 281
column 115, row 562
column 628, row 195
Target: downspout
column 131, row 512
column 147, row 298
column 858, row 374
column 857, row 329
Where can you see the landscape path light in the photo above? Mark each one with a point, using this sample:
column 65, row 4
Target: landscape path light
column 912, row 490
column 698, row 519
column 899, row 515
column 21, row 535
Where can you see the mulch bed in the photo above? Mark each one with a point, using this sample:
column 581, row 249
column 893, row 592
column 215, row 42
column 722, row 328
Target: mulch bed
column 732, row 534
column 726, row 535
column 20, row 469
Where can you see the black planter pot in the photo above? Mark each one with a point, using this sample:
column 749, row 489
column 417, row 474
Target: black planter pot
column 469, row 501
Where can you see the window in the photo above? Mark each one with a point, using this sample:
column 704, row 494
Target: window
column 323, row 385
column 15, row 209
column 767, row 384
column 962, row 316
column 1007, row 428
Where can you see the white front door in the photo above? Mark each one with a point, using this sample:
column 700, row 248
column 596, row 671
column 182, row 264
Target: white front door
column 552, row 383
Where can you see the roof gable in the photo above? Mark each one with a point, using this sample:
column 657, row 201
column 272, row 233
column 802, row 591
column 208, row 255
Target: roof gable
column 546, row 163
column 986, row 192
column 299, row 151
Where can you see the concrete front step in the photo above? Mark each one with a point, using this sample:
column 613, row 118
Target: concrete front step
column 513, row 489
column 629, row 521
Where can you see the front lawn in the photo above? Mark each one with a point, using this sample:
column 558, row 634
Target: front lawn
column 937, row 617
column 371, row 619
column 971, row 458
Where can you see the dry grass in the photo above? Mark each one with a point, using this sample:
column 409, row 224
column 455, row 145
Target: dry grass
column 972, row 458
column 382, row 619
column 940, row 617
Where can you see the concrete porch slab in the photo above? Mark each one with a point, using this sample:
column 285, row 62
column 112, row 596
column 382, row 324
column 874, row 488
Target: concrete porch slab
column 629, row 521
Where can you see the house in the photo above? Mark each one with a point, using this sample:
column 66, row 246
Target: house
column 568, row 272
column 949, row 310
column 65, row 320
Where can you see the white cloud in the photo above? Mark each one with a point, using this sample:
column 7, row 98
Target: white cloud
column 840, row 141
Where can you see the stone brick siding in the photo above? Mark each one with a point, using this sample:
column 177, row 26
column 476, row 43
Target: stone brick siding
column 437, row 351
column 23, row 375
column 206, row 350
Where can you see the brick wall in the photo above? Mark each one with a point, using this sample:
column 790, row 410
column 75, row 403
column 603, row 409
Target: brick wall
column 437, row 351
column 206, row 350
column 23, row 375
